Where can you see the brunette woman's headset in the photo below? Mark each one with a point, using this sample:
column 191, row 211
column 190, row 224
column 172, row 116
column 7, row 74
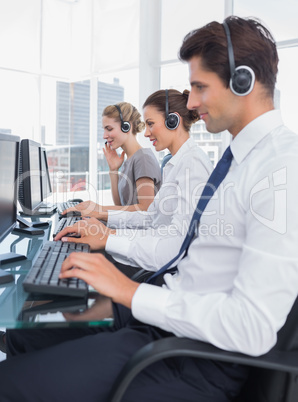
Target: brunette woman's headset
column 125, row 125
column 242, row 77
column 172, row 119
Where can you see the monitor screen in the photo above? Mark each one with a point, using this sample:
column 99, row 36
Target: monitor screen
column 30, row 194
column 9, row 160
column 46, row 186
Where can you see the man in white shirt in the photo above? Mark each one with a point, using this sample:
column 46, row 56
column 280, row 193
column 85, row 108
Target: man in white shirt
column 239, row 279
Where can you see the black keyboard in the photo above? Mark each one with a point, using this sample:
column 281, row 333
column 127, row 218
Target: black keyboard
column 62, row 206
column 64, row 222
column 43, row 276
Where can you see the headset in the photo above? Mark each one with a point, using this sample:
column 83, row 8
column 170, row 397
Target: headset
column 242, row 77
column 125, row 125
column 172, row 119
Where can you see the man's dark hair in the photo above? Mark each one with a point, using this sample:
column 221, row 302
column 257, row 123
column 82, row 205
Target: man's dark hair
column 253, row 46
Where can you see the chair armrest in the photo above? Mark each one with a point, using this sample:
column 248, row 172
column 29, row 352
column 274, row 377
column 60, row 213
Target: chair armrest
column 173, row 347
column 141, row 275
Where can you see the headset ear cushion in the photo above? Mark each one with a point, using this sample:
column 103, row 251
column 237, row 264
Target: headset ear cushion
column 172, row 121
column 125, row 126
column 242, row 81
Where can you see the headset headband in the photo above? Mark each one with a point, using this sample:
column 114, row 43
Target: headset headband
column 125, row 125
column 230, row 48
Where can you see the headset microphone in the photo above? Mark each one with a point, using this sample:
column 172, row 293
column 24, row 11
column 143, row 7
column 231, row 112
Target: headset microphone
column 125, row 125
column 172, row 119
column 242, row 77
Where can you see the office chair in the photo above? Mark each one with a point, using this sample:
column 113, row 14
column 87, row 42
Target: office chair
column 165, row 160
column 273, row 376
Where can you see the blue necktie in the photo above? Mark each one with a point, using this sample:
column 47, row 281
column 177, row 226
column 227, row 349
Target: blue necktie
column 216, row 177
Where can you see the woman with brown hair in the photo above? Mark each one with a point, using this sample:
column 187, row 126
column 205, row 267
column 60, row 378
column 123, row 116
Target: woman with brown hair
column 136, row 238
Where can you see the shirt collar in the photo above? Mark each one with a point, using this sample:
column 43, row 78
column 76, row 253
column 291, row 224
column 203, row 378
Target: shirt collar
column 253, row 133
column 190, row 143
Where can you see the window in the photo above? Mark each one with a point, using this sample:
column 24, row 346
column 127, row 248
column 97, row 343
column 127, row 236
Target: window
column 180, row 17
column 280, row 18
column 19, row 104
column 174, row 74
column 61, row 50
column 62, row 62
column 282, row 22
column 287, row 85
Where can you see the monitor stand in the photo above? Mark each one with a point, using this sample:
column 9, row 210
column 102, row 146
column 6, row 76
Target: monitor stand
column 48, row 205
column 25, row 224
column 40, row 211
column 29, row 231
column 26, row 227
column 47, row 210
column 7, row 258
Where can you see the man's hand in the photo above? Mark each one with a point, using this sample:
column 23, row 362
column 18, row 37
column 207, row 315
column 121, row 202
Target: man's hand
column 92, row 232
column 102, row 275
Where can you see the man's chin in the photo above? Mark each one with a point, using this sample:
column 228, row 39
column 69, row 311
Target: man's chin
column 213, row 130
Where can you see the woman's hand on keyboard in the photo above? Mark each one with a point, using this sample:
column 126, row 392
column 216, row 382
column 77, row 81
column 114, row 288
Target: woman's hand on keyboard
column 92, row 232
column 102, row 275
column 88, row 208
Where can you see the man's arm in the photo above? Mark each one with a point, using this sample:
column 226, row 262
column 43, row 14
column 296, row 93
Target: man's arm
column 244, row 300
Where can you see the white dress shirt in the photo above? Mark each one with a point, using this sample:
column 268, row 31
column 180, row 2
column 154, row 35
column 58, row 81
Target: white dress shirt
column 141, row 235
column 239, row 279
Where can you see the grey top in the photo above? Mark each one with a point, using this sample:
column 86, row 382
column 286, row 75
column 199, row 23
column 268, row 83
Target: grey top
column 142, row 163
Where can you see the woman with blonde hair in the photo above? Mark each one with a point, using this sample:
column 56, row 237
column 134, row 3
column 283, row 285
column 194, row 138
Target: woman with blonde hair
column 135, row 174
column 138, row 180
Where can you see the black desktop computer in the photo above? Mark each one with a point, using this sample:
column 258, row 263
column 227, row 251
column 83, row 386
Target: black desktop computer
column 46, row 185
column 34, row 178
column 46, row 189
column 9, row 166
column 43, row 276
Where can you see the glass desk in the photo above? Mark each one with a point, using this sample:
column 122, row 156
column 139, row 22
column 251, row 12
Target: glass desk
column 19, row 309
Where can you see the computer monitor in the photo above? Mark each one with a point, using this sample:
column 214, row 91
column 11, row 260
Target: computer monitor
column 9, row 161
column 9, row 166
column 46, row 186
column 30, row 191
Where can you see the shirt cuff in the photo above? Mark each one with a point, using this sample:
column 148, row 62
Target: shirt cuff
column 149, row 304
column 117, row 245
column 116, row 218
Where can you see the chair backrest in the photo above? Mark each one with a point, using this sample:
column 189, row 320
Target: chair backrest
column 274, row 386
column 166, row 159
column 287, row 337
column 271, row 383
